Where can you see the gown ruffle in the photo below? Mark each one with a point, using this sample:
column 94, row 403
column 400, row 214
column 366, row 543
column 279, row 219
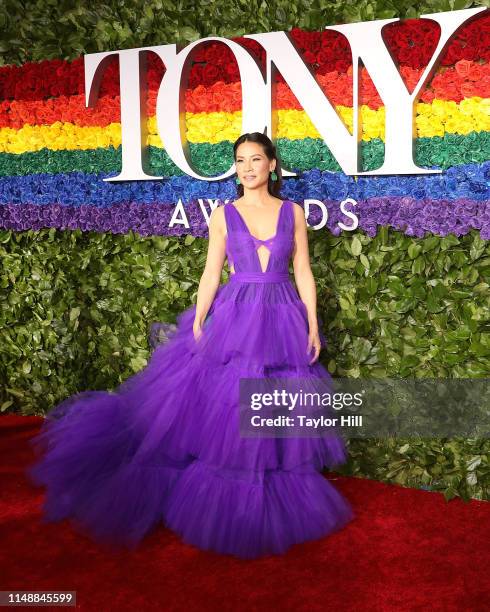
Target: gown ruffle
column 165, row 447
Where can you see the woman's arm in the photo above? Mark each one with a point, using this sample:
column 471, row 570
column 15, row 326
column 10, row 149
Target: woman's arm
column 211, row 276
column 303, row 277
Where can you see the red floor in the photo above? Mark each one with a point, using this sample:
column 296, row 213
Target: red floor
column 406, row 550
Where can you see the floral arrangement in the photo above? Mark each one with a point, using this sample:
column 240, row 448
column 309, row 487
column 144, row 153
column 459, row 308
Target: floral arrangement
column 54, row 152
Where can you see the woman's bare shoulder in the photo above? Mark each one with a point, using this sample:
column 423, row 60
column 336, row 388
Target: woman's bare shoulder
column 217, row 219
column 299, row 214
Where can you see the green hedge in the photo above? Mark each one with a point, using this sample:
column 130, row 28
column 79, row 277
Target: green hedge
column 46, row 29
column 76, row 308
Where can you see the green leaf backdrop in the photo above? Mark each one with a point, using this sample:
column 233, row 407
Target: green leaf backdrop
column 76, row 307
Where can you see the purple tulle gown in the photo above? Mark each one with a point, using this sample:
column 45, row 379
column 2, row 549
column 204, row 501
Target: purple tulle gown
column 165, row 446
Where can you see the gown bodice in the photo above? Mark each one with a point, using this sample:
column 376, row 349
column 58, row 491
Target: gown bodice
column 241, row 246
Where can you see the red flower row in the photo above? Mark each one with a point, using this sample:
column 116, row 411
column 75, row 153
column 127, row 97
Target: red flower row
column 465, row 80
column 410, row 42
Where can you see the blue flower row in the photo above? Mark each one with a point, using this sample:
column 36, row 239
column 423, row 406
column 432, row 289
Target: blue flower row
column 470, row 181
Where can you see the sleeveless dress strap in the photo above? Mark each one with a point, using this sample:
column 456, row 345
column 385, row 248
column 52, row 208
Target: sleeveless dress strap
column 232, row 222
column 289, row 222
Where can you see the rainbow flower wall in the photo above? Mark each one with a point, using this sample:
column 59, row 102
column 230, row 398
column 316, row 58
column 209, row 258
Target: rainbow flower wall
column 54, row 152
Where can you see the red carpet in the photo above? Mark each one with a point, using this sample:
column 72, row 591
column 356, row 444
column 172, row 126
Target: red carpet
column 406, row 550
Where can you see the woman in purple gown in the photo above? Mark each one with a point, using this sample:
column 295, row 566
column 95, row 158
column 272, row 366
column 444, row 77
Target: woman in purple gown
column 165, row 446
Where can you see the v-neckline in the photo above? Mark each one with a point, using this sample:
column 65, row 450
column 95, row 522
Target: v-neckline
column 250, row 233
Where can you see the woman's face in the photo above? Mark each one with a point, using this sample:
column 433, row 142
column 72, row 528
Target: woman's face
column 252, row 165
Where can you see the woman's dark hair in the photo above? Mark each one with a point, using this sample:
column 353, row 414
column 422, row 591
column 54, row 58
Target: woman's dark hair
column 274, row 187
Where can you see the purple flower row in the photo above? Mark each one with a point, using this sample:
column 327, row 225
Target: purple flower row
column 413, row 217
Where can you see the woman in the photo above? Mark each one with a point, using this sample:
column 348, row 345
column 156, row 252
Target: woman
column 165, row 446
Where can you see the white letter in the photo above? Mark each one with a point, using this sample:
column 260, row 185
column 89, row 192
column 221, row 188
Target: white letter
column 132, row 73
column 324, row 213
column 280, row 50
column 170, row 101
column 212, row 203
column 367, row 45
column 347, row 213
column 179, row 220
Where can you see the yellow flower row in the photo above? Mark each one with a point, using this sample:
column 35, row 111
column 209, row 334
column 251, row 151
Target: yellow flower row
column 435, row 119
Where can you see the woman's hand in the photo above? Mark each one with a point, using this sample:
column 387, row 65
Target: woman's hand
column 314, row 343
column 197, row 330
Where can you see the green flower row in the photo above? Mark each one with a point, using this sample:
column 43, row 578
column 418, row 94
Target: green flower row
column 212, row 159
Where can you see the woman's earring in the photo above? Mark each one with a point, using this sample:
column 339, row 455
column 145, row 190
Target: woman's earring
column 237, row 180
column 274, row 176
